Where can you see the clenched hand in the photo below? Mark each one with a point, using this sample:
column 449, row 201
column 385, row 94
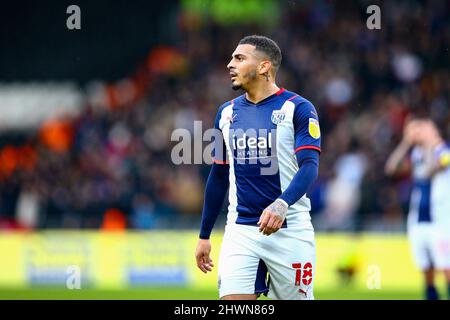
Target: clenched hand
column 273, row 217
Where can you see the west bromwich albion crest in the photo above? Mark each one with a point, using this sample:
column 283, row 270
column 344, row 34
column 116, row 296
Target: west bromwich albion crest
column 278, row 116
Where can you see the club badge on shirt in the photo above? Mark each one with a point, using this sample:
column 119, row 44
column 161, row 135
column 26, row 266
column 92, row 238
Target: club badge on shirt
column 278, row 116
column 313, row 128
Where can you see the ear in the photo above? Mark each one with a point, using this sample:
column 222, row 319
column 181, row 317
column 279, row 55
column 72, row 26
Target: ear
column 264, row 67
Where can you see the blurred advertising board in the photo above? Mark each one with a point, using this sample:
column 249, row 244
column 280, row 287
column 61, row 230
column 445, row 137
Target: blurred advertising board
column 119, row 260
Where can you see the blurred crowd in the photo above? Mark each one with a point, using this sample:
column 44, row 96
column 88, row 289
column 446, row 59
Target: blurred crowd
column 111, row 166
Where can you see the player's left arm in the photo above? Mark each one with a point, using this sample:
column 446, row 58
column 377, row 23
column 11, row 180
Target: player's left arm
column 307, row 150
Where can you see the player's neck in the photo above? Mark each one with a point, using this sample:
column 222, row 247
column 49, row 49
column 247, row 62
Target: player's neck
column 261, row 91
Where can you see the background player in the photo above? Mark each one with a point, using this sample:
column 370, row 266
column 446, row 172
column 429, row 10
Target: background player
column 440, row 197
column 265, row 126
column 420, row 142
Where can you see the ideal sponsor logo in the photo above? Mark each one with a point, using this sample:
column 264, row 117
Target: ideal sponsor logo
column 249, row 145
column 245, row 142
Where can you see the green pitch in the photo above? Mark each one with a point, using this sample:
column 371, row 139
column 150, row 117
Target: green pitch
column 186, row 294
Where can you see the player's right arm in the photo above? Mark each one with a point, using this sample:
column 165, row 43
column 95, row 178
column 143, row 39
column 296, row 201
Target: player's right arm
column 215, row 191
column 397, row 157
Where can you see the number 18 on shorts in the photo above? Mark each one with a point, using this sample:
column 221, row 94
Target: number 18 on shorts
column 280, row 265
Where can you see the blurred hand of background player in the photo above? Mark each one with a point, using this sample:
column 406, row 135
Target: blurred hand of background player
column 204, row 262
column 411, row 132
column 430, row 134
column 423, row 132
column 273, row 217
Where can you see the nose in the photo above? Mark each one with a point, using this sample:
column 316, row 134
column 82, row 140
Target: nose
column 230, row 65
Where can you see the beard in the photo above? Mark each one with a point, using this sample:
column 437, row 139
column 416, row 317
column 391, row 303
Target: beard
column 236, row 87
column 250, row 76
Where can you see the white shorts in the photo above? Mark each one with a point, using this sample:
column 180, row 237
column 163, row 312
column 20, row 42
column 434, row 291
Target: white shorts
column 288, row 256
column 442, row 248
column 430, row 246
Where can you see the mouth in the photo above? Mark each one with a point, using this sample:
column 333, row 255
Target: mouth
column 233, row 75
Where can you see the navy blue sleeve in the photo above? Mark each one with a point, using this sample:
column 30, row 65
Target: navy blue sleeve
column 215, row 191
column 308, row 163
column 218, row 180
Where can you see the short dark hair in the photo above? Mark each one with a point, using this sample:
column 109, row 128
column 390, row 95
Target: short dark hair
column 266, row 46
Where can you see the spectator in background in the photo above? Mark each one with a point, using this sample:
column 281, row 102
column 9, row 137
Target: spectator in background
column 119, row 147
